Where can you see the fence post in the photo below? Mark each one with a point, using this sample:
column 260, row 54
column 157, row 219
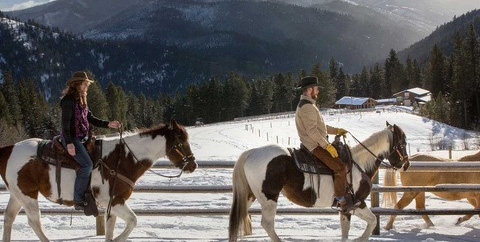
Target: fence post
column 450, row 152
column 375, row 203
column 100, row 224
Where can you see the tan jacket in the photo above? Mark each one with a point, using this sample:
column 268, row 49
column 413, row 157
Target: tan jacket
column 310, row 125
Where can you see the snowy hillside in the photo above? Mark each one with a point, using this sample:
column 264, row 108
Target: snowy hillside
column 225, row 141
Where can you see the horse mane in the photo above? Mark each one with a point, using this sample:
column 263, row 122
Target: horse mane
column 379, row 143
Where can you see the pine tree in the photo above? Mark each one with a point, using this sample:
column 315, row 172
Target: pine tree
column 112, row 100
column 132, row 111
column 10, row 93
column 261, row 96
column 122, row 105
column 355, row 90
column 417, row 75
column 472, row 52
column 409, row 74
column 394, row 74
column 436, row 72
column 280, row 99
column 376, row 80
column 459, row 113
column 342, row 84
column 291, row 95
column 214, row 93
column 4, row 110
column 97, row 104
column 364, row 82
column 236, row 95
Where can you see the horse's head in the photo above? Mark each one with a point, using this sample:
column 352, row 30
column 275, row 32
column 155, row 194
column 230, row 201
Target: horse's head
column 177, row 147
column 398, row 152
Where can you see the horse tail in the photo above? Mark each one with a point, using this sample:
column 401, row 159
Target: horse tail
column 239, row 210
column 389, row 199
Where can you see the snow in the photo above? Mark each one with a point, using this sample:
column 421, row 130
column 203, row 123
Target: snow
column 225, row 142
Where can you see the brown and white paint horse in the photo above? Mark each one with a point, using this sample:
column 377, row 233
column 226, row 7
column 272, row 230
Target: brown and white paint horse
column 26, row 176
column 265, row 172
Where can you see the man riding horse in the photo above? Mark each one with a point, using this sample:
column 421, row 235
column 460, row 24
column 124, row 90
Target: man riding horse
column 313, row 132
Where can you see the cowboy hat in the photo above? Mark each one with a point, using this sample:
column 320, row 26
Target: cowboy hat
column 308, row 81
column 78, row 76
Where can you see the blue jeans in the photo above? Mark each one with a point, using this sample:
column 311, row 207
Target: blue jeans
column 81, row 181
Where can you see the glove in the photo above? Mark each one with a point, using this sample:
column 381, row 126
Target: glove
column 332, row 150
column 341, row 131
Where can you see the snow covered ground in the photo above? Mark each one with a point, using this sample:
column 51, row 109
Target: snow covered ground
column 225, row 142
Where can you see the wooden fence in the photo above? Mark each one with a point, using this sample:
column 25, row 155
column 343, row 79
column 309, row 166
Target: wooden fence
column 374, row 196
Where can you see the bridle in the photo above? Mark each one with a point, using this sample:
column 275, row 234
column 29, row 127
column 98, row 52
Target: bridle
column 396, row 148
column 177, row 148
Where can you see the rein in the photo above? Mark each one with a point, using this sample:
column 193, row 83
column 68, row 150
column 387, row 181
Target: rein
column 376, row 157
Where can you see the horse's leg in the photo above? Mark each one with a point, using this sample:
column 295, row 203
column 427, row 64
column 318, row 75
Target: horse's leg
column 110, row 222
column 367, row 215
column 269, row 210
column 406, row 199
column 32, row 210
column 475, row 204
column 124, row 212
column 345, row 224
column 420, row 205
column 11, row 212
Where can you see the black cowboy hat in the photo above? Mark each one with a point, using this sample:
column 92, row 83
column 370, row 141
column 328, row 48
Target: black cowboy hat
column 308, row 81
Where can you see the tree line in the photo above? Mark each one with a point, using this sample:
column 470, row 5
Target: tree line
column 453, row 80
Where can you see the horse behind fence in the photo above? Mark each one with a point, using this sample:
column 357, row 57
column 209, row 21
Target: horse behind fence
column 431, row 178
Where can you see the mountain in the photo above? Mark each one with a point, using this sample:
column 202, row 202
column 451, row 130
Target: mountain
column 442, row 36
column 29, row 50
column 424, row 16
column 75, row 16
column 249, row 33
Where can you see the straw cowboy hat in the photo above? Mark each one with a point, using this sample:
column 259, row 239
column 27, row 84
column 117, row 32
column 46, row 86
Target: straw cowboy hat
column 308, row 81
column 78, row 76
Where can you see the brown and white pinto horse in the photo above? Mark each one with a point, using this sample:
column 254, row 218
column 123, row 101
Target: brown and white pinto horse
column 26, row 175
column 265, row 172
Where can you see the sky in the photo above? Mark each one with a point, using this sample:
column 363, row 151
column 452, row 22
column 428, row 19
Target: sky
column 225, row 142
column 11, row 5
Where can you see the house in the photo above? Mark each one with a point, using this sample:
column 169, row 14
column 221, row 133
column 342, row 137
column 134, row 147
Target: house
column 355, row 102
column 387, row 101
column 413, row 95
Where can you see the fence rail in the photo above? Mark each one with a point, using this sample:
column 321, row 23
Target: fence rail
column 376, row 189
column 257, row 211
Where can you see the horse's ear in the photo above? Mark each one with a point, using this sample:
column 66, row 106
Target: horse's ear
column 390, row 126
column 173, row 124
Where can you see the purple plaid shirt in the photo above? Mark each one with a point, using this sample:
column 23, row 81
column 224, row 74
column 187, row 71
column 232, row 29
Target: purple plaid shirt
column 81, row 121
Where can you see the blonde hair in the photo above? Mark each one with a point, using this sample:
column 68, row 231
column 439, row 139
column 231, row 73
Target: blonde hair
column 72, row 89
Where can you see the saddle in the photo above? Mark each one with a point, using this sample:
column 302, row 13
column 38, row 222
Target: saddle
column 307, row 162
column 52, row 152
